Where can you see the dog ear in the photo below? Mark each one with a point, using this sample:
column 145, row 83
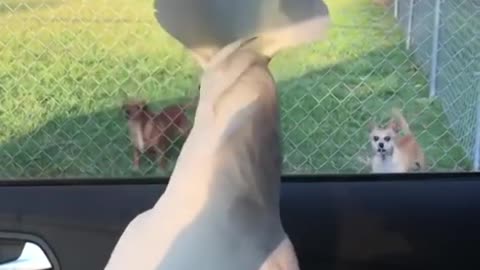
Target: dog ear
column 394, row 126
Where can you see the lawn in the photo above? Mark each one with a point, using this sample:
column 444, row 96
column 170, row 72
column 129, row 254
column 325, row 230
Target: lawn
column 65, row 68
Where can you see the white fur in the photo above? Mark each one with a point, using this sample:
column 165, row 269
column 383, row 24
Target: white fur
column 221, row 207
column 137, row 134
column 387, row 164
column 270, row 42
column 212, row 216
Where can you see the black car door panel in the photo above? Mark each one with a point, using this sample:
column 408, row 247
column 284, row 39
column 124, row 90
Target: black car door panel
column 357, row 222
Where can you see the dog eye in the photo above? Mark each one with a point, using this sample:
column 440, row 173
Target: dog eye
column 387, row 138
column 375, row 138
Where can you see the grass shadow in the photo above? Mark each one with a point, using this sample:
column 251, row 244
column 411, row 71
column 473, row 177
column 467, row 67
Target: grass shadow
column 86, row 145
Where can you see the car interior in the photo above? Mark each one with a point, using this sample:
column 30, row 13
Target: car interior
column 415, row 221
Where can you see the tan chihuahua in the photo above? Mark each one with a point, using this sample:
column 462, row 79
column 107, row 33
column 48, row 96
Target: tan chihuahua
column 395, row 153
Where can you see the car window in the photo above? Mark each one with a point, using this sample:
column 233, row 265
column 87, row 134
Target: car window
column 73, row 73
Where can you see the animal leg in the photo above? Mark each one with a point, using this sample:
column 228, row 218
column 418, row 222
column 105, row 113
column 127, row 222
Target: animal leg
column 136, row 158
column 161, row 150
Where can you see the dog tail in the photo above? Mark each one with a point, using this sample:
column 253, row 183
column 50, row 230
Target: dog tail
column 402, row 123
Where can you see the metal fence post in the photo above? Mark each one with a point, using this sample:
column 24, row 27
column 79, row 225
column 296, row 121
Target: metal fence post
column 436, row 34
column 476, row 156
column 410, row 23
column 395, row 9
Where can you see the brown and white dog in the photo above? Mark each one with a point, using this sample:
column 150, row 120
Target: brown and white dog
column 154, row 132
column 395, row 153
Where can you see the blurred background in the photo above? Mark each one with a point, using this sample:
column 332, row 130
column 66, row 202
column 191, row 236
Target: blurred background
column 67, row 66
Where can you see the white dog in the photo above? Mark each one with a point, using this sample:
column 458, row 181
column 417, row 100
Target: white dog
column 221, row 207
column 220, row 210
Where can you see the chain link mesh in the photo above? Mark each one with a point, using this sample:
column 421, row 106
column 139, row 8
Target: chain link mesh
column 67, row 67
column 457, row 61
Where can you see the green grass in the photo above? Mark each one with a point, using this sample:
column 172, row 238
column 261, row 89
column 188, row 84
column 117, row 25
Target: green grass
column 65, row 67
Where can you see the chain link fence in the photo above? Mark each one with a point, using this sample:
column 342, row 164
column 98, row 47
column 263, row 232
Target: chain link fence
column 68, row 67
column 444, row 36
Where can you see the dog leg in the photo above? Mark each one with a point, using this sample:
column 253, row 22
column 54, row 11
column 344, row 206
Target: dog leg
column 162, row 159
column 136, row 158
column 163, row 162
column 160, row 155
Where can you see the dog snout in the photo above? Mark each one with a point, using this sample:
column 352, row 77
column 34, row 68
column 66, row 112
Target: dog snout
column 381, row 145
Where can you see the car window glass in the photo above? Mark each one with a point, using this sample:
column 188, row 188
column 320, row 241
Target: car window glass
column 67, row 69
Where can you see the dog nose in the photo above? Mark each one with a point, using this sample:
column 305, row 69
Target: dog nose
column 380, row 144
